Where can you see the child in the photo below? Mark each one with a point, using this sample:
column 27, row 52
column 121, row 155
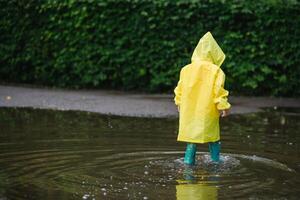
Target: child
column 201, row 99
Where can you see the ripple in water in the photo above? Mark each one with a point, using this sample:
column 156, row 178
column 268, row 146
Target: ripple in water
column 71, row 155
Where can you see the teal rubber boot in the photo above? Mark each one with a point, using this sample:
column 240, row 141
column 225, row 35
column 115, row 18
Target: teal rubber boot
column 214, row 149
column 190, row 154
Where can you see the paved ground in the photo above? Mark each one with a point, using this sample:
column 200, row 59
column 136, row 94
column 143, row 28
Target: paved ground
column 120, row 103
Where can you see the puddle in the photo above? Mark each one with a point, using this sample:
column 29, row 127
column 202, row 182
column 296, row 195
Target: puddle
column 46, row 154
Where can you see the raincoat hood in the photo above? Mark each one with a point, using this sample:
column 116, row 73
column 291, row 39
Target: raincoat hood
column 208, row 50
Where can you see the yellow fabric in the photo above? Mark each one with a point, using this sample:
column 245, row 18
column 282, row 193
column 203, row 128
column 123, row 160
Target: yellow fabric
column 200, row 93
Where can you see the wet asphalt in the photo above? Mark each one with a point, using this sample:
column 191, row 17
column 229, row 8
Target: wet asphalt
column 120, row 103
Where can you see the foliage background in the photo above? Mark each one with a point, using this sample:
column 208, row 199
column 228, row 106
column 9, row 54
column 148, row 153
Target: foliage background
column 142, row 44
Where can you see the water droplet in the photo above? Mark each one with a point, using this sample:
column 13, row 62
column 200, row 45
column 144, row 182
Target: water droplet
column 86, row 196
column 109, row 124
column 146, row 172
column 145, row 198
column 282, row 120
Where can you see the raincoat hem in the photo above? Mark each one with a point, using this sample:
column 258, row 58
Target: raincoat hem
column 198, row 141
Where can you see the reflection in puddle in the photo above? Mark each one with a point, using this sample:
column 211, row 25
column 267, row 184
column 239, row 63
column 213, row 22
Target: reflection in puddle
column 191, row 189
column 46, row 154
column 196, row 192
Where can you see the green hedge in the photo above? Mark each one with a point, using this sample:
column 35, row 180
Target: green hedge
column 141, row 45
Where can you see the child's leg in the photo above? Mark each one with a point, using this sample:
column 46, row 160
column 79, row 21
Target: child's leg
column 190, row 154
column 214, row 148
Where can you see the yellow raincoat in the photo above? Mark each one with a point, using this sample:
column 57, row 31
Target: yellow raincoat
column 200, row 93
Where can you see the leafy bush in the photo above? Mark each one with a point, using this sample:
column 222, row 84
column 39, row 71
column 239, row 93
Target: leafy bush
column 142, row 44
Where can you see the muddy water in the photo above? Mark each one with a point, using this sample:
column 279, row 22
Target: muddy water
column 48, row 154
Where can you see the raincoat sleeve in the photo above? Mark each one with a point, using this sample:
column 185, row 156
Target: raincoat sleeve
column 221, row 94
column 178, row 91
